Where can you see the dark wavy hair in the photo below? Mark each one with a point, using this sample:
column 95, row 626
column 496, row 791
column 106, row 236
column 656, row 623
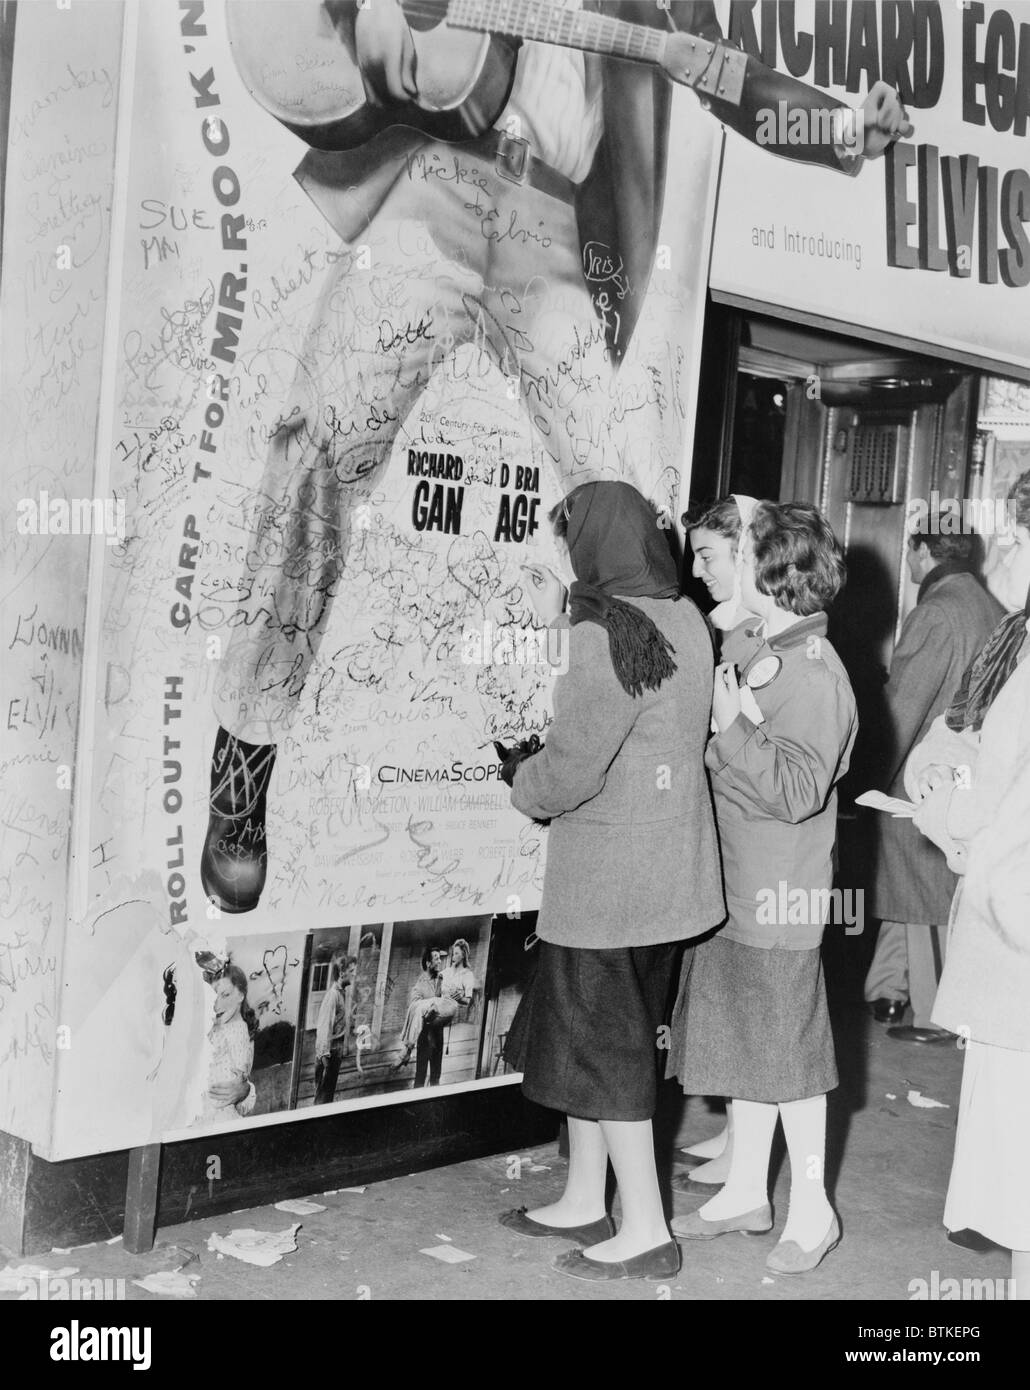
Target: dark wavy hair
column 798, row 559
column 238, row 980
column 722, row 517
column 427, row 955
column 961, row 547
column 339, row 965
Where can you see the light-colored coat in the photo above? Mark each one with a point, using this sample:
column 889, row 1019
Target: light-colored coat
column 632, row 858
column 984, row 823
column 940, row 637
column 774, row 785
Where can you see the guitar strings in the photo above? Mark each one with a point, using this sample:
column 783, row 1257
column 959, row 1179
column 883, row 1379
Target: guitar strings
column 542, row 21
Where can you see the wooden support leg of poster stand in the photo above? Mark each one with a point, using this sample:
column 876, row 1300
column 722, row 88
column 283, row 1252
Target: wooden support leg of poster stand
column 141, row 1199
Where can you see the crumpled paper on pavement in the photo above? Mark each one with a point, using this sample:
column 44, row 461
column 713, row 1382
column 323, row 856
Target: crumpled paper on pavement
column 256, row 1247
column 12, row 1277
column 171, row 1282
column 922, row 1102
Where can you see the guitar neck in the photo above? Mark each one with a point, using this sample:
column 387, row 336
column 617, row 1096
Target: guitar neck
column 546, row 22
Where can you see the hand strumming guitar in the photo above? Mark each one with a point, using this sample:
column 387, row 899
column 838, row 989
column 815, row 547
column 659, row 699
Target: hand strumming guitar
column 385, row 52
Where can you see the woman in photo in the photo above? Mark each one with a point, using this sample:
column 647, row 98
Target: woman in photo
column 457, row 985
column 751, row 1021
column 229, row 1088
column 632, row 870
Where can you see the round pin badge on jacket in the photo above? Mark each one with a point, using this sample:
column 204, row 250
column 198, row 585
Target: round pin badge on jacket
column 763, row 672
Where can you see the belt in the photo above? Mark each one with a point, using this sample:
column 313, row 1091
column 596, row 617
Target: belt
column 514, row 161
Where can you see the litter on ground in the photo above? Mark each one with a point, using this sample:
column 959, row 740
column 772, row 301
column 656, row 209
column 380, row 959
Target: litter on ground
column 13, row 1278
column 171, row 1282
column 256, row 1247
column 449, row 1254
column 926, row 1102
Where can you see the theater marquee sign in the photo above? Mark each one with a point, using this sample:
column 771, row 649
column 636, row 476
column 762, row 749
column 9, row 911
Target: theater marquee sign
column 932, row 245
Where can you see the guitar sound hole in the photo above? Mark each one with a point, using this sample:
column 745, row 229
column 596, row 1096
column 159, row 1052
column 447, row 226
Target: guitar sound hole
column 423, row 15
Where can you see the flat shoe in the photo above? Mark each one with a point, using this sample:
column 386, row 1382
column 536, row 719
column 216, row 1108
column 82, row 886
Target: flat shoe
column 789, row 1258
column 663, row 1262
column 697, row 1227
column 888, row 1010
column 592, row 1233
column 685, row 1182
column 910, row 1033
column 685, row 1162
column 972, row 1240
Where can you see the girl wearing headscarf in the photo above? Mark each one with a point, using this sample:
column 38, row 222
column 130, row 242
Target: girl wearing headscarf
column 632, row 870
column 971, row 778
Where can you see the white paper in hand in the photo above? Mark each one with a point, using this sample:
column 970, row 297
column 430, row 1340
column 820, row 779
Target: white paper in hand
column 893, row 805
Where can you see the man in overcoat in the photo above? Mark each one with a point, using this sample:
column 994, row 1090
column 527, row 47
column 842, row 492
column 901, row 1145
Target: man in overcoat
column 913, row 886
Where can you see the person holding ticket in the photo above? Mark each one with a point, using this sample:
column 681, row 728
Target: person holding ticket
column 970, row 778
column 751, row 1020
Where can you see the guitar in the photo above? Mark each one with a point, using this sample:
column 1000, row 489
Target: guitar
column 296, row 58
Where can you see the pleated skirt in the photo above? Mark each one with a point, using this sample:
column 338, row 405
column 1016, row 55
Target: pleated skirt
column 752, row 1024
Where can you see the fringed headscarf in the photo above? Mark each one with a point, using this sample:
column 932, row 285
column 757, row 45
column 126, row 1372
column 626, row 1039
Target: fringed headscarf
column 988, row 672
column 619, row 550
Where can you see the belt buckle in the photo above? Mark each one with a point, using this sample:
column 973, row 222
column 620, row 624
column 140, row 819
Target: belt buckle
column 512, row 160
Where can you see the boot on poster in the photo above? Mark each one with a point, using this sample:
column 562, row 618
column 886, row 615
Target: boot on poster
column 234, row 860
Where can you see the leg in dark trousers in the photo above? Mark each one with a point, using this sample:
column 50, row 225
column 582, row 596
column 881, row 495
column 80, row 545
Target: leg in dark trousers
column 421, row 1059
column 435, row 1055
column 428, row 1057
column 326, row 1071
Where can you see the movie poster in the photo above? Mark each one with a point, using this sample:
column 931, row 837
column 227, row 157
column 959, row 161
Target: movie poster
column 345, row 1014
column 350, row 366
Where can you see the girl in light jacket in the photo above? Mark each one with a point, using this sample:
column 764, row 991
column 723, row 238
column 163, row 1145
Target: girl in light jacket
column 751, row 1021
